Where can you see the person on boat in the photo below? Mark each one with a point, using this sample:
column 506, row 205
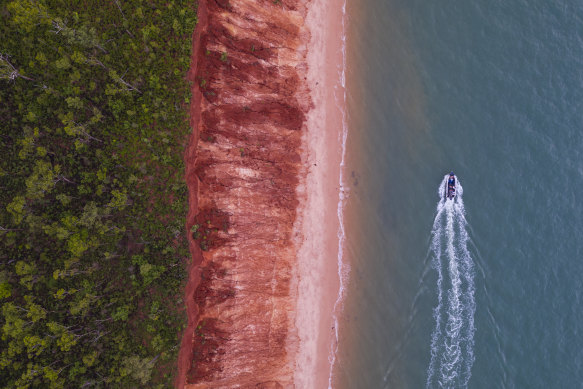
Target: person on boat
column 451, row 181
column 451, row 185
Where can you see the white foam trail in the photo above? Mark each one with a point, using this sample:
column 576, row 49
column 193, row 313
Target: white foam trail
column 343, row 268
column 452, row 341
column 436, row 264
column 467, row 267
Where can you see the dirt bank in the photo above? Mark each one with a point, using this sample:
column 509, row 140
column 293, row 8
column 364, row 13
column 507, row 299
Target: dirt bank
column 247, row 168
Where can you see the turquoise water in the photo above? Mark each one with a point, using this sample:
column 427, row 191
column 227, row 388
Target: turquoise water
column 493, row 90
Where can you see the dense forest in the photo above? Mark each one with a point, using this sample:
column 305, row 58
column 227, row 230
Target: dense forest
column 93, row 99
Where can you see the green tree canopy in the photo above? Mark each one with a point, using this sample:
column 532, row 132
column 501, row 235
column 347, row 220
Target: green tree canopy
column 93, row 106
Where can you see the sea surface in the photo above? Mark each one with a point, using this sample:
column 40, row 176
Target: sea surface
column 488, row 294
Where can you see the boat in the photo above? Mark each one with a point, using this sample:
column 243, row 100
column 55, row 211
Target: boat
column 450, row 186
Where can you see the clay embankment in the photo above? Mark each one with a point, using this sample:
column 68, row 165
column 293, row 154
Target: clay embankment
column 249, row 106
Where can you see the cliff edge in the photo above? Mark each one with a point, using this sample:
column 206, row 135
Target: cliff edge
column 249, row 107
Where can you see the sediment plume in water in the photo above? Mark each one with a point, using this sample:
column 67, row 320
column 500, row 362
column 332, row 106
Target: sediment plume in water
column 452, row 341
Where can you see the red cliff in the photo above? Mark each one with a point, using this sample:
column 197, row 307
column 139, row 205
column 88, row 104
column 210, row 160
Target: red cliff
column 250, row 102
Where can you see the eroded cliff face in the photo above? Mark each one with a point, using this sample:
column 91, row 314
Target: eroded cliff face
column 243, row 169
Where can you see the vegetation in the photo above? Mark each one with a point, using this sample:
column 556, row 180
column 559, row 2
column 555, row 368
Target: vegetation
column 93, row 127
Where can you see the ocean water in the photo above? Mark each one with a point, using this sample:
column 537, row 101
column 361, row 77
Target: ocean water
column 492, row 89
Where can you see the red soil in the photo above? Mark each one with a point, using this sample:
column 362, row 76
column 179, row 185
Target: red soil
column 243, row 166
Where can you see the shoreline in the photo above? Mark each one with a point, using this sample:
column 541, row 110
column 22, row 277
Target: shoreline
column 263, row 169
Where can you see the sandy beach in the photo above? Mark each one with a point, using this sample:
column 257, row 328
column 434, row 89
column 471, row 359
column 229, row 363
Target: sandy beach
column 318, row 220
column 263, row 175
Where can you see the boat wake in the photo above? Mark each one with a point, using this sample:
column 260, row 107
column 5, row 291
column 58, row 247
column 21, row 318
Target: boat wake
column 452, row 341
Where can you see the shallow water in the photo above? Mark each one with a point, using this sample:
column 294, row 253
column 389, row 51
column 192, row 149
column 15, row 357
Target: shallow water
column 492, row 90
